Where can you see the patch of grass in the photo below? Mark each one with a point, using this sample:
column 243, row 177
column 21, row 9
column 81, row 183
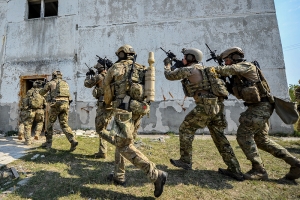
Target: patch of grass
column 296, row 134
column 76, row 175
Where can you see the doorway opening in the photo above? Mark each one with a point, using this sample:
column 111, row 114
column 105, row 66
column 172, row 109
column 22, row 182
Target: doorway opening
column 26, row 83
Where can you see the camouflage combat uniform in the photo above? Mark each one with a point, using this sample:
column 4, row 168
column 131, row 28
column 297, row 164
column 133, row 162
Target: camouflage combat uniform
column 103, row 115
column 59, row 108
column 35, row 113
column 207, row 113
column 253, row 130
column 128, row 113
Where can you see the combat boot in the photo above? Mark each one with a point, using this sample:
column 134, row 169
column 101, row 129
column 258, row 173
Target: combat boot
column 233, row 174
column 160, row 182
column 294, row 172
column 47, row 145
column 20, row 137
column 100, row 155
column 181, row 164
column 257, row 172
column 112, row 178
column 74, row 144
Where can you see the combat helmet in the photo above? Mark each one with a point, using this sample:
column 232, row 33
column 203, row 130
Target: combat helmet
column 124, row 50
column 99, row 67
column 193, row 51
column 57, row 74
column 38, row 84
column 234, row 53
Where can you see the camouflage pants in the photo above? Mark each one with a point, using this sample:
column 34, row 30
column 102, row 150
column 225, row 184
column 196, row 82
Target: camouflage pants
column 103, row 116
column 216, row 123
column 127, row 128
column 22, row 118
column 37, row 116
column 60, row 110
column 253, row 131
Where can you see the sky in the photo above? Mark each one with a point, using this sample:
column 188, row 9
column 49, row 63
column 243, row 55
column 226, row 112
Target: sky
column 288, row 17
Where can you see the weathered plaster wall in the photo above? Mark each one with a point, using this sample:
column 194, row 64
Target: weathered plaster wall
column 86, row 28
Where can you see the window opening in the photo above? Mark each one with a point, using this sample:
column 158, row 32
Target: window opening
column 34, row 9
column 42, row 8
column 51, row 8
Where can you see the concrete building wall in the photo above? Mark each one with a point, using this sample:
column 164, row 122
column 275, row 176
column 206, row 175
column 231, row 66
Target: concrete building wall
column 84, row 29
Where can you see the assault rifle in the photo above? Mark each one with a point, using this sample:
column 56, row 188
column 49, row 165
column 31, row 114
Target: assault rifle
column 106, row 63
column 217, row 59
column 91, row 72
column 214, row 57
column 172, row 56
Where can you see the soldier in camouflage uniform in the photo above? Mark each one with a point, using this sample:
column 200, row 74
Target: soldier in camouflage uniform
column 209, row 93
column 22, row 117
column 59, row 108
column 249, row 84
column 103, row 115
column 124, row 85
column 297, row 96
column 35, row 112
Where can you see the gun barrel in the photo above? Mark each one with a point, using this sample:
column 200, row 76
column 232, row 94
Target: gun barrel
column 164, row 50
column 208, row 47
column 87, row 65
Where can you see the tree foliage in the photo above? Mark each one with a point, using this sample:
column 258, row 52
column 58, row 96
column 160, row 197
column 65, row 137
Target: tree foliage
column 292, row 88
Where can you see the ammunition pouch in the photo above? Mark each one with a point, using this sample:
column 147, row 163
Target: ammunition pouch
column 237, row 92
column 136, row 92
column 251, row 94
column 140, row 108
column 121, row 103
column 188, row 88
column 210, row 104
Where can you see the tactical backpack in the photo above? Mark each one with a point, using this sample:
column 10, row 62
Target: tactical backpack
column 36, row 100
column 62, row 89
column 211, row 82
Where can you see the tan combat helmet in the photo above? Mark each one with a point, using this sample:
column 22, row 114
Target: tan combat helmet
column 195, row 52
column 57, row 74
column 126, row 49
column 99, row 67
column 237, row 51
column 38, row 84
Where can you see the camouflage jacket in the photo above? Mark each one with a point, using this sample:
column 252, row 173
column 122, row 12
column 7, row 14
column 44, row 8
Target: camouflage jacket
column 180, row 73
column 96, row 81
column 51, row 87
column 242, row 69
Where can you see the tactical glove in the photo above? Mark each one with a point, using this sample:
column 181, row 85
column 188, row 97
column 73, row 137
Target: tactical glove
column 90, row 73
column 167, row 61
column 70, row 101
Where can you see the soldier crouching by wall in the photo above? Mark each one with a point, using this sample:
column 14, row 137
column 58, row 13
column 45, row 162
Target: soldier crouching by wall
column 35, row 112
column 209, row 92
column 249, row 84
column 59, row 108
column 103, row 115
